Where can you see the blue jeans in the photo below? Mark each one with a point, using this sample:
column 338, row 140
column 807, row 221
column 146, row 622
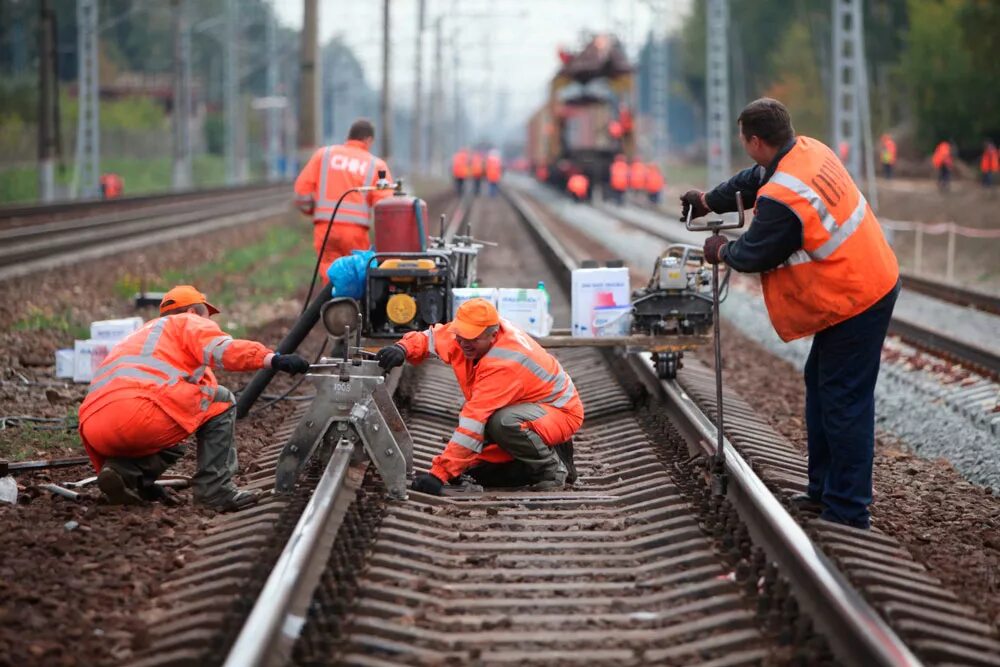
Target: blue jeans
column 840, row 377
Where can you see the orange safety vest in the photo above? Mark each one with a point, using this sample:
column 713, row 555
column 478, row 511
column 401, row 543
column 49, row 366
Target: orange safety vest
column 619, row 175
column 888, row 151
column 990, row 161
column 333, row 170
column 942, row 155
column 112, row 184
column 476, row 166
column 516, row 370
column 169, row 361
column 577, row 185
column 494, row 168
column 654, row 179
column 460, row 165
column 542, row 172
column 844, row 265
column 637, row 176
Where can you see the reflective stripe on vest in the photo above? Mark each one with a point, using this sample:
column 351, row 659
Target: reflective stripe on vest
column 349, row 212
column 473, row 425
column 467, row 441
column 560, row 377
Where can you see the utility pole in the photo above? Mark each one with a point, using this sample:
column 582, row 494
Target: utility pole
column 416, row 159
column 717, row 89
column 273, row 118
column 458, row 136
column 851, row 112
column 308, row 97
column 182, row 97
column 48, row 93
column 385, row 111
column 231, row 91
column 661, row 82
column 437, row 92
column 87, row 176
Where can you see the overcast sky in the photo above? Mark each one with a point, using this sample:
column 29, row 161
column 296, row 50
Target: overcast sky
column 522, row 35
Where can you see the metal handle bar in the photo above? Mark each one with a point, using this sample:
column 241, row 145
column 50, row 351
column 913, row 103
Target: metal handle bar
column 718, row 225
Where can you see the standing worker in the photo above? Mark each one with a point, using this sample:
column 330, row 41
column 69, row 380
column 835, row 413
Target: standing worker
column 476, row 169
column 637, row 176
column 155, row 389
column 578, row 186
column 827, row 272
column 619, row 179
column 494, row 170
column 112, row 185
column 654, row 183
column 330, row 172
column 521, row 408
column 989, row 164
column 888, row 155
column 943, row 162
column 460, row 169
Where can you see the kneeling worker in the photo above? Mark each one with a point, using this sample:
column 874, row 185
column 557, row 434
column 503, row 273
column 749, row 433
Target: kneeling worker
column 521, row 408
column 156, row 388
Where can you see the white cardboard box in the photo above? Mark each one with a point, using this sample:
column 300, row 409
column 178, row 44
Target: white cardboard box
column 64, row 363
column 460, row 295
column 527, row 309
column 113, row 331
column 87, row 356
column 600, row 288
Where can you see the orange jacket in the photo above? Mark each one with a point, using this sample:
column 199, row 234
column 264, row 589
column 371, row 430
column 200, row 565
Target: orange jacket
column 637, row 176
column 515, row 370
column 942, row 156
column 654, row 179
column 112, row 185
column 888, row 150
column 169, row 361
column 542, row 172
column 578, row 185
column 494, row 168
column 990, row 161
column 333, row 170
column 476, row 166
column 460, row 164
column 619, row 175
column 844, row 265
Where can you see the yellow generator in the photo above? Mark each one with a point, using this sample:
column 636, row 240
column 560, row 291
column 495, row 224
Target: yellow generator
column 406, row 292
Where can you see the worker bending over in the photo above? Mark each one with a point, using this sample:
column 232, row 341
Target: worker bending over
column 155, row 389
column 521, row 408
column 330, row 172
column 827, row 272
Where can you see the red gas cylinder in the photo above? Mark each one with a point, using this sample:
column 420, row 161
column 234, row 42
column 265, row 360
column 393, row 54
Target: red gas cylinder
column 401, row 224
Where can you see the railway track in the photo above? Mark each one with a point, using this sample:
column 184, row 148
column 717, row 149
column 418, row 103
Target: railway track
column 28, row 249
column 639, row 563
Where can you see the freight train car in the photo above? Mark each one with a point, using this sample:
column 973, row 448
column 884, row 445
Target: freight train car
column 587, row 118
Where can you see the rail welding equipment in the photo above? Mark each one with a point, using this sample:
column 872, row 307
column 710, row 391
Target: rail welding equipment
column 716, row 226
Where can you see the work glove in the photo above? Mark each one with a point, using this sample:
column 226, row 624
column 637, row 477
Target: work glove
column 427, row 483
column 694, row 199
column 713, row 248
column 289, row 363
column 390, row 356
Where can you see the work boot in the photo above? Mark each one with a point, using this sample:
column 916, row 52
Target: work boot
column 553, row 483
column 233, row 502
column 565, row 452
column 115, row 489
column 159, row 494
column 806, row 503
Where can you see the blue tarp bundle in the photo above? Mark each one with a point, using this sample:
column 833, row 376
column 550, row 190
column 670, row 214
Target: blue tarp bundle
column 347, row 274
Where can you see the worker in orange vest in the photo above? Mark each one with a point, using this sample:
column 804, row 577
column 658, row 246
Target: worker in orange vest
column 989, row 164
column 460, row 169
column 826, row 272
column 619, row 178
column 579, row 186
column 476, row 170
column 542, row 173
column 112, row 186
column 944, row 163
column 888, row 155
column 332, row 171
column 654, row 182
column 494, row 170
column 521, row 408
column 637, row 176
column 844, row 151
column 156, row 388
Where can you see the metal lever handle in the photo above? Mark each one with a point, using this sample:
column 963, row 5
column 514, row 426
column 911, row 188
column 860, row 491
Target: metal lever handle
column 717, row 225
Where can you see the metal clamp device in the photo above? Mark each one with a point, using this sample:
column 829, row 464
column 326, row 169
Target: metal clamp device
column 352, row 407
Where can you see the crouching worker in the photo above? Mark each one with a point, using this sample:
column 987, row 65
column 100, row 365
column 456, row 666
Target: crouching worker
column 155, row 388
column 521, row 408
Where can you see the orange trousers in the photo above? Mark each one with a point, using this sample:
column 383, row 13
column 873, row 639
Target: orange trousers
column 129, row 428
column 344, row 238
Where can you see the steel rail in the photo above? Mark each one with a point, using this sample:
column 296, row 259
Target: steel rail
column 961, row 296
column 857, row 634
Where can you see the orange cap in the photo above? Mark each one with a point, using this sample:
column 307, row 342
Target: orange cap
column 473, row 317
column 183, row 296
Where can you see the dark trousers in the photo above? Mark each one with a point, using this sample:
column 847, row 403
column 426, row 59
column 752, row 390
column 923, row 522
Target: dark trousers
column 459, row 186
column 840, row 377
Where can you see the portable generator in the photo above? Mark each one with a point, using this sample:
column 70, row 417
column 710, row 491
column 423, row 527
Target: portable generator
column 406, row 292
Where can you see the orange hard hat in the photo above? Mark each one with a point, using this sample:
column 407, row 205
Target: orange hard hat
column 183, row 296
column 473, row 317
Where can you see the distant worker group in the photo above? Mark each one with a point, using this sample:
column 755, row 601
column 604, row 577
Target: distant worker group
column 639, row 177
column 473, row 167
